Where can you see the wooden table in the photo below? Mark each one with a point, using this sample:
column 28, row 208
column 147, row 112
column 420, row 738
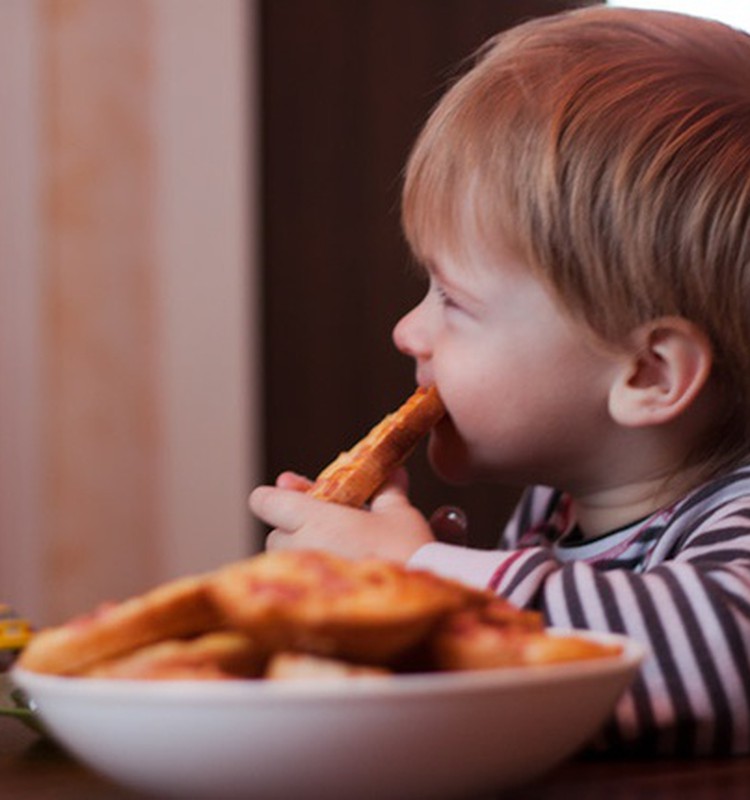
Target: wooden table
column 33, row 768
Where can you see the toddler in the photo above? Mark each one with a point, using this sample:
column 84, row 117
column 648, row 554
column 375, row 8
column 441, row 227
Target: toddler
column 580, row 203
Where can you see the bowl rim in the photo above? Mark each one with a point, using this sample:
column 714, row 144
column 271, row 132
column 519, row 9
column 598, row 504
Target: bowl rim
column 399, row 685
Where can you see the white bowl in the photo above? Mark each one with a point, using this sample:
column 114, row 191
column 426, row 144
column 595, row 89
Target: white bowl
column 410, row 736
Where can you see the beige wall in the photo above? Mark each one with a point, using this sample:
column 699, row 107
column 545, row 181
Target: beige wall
column 127, row 304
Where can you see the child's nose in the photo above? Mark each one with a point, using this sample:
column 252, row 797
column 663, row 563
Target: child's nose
column 410, row 335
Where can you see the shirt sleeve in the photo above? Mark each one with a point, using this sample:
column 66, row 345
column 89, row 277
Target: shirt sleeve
column 473, row 567
column 691, row 611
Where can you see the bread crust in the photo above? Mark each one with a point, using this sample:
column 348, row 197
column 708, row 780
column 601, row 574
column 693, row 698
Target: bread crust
column 367, row 611
column 223, row 655
column 353, row 477
column 173, row 610
column 286, row 666
column 331, row 616
column 485, row 638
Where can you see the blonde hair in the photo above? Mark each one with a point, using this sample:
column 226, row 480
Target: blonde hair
column 611, row 148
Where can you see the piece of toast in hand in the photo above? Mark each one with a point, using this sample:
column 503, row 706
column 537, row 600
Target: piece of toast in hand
column 358, row 473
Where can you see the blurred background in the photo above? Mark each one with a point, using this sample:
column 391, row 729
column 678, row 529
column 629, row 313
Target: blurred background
column 200, row 266
column 129, row 371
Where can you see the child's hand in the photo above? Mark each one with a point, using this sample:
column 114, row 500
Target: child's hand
column 392, row 528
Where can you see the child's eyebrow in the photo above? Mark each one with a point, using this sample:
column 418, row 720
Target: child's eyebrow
column 419, row 266
column 429, row 266
column 433, row 269
column 425, row 269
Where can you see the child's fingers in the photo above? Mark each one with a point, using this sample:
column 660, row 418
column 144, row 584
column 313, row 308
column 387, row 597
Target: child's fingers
column 291, row 480
column 281, row 508
column 393, row 495
column 401, row 479
column 279, row 540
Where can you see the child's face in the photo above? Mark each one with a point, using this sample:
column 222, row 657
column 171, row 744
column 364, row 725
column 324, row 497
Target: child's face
column 525, row 387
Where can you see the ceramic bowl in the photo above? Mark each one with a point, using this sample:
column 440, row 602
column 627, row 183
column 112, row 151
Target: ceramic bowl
column 441, row 735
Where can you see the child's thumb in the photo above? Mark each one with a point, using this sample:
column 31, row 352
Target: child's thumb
column 393, row 494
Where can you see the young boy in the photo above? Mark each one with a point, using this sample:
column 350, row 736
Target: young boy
column 580, row 201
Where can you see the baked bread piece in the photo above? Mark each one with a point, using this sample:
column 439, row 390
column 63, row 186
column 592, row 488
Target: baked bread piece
column 303, row 666
column 293, row 613
column 225, row 655
column 487, row 638
column 368, row 611
column 357, row 474
column 173, row 610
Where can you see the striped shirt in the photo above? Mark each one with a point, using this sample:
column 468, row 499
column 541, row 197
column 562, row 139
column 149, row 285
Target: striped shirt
column 678, row 581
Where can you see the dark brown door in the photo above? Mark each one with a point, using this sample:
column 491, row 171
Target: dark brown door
column 346, row 86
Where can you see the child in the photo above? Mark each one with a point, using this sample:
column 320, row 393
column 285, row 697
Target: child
column 580, row 201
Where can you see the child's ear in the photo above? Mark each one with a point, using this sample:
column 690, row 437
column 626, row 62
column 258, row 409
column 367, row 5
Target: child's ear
column 666, row 367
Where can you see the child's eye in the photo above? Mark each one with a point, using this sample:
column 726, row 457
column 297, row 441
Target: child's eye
column 445, row 299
